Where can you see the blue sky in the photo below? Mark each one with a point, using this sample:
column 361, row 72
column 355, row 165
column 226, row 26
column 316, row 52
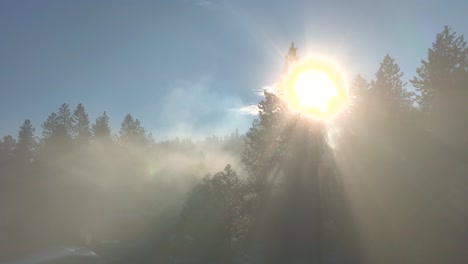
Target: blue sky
column 181, row 66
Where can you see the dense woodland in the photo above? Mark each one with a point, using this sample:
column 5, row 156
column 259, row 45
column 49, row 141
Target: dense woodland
column 385, row 182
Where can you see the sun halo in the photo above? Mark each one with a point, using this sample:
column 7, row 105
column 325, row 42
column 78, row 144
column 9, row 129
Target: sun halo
column 315, row 87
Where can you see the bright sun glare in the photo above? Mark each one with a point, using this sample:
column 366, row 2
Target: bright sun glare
column 315, row 87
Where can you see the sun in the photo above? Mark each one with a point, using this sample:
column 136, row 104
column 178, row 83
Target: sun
column 315, row 87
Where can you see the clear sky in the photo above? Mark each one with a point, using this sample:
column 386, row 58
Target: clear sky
column 182, row 66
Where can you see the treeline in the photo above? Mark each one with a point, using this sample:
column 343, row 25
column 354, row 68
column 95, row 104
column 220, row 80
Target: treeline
column 403, row 158
column 385, row 182
column 388, row 186
column 80, row 183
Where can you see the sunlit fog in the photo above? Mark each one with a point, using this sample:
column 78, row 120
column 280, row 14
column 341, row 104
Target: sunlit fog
column 237, row 132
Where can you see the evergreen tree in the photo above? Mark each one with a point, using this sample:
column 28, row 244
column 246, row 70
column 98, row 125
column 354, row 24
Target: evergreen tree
column 65, row 118
column 281, row 156
column 26, row 146
column 81, row 124
column 58, row 126
column 388, row 89
column 442, row 81
column 131, row 131
column 49, row 127
column 358, row 103
column 444, row 70
column 8, row 146
column 101, row 127
column 210, row 219
column 359, row 87
column 7, row 156
column 266, row 138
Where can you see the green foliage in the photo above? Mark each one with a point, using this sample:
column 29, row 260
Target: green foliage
column 266, row 138
column 358, row 98
column 282, row 158
column 101, row 129
column 26, row 146
column 80, row 123
column 59, row 188
column 8, row 145
column 442, row 80
column 131, row 132
column 359, row 89
column 388, row 90
column 58, row 126
column 209, row 222
column 49, row 127
column 445, row 69
column 394, row 157
column 359, row 196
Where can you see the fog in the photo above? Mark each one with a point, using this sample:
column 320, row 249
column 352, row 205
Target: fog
column 383, row 181
column 76, row 191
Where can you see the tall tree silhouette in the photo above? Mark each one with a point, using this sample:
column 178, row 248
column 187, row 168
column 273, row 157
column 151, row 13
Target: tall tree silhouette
column 442, row 82
column 8, row 147
column 26, row 146
column 388, row 88
column 444, row 70
column 7, row 152
column 58, row 126
column 65, row 118
column 266, row 138
column 209, row 223
column 81, row 124
column 359, row 88
column 132, row 132
column 100, row 128
column 359, row 102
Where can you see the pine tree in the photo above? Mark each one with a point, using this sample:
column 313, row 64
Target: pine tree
column 8, row 172
column 64, row 118
column 100, row 128
column 132, row 132
column 358, row 102
column 26, row 146
column 442, row 81
column 444, row 70
column 211, row 217
column 266, row 137
column 49, row 127
column 58, row 126
column 81, row 124
column 359, row 87
column 388, row 89
column 8, row 146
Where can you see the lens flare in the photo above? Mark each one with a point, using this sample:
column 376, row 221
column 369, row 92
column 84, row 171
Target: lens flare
column 315, row 87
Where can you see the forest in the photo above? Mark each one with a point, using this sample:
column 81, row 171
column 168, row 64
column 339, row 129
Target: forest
column 386, row 181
